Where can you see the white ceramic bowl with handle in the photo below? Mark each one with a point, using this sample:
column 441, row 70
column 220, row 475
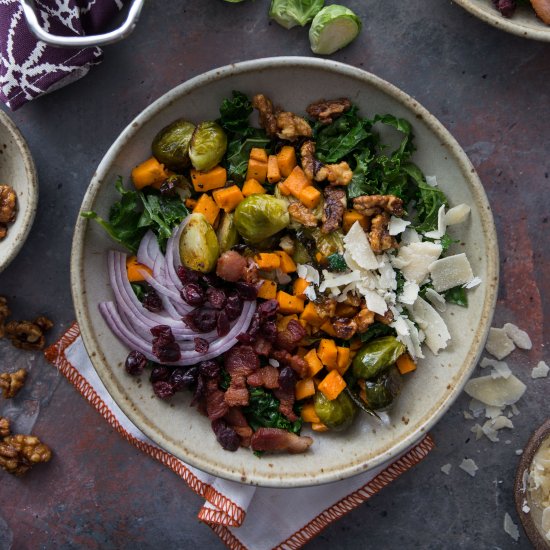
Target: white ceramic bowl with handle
column 292, row 82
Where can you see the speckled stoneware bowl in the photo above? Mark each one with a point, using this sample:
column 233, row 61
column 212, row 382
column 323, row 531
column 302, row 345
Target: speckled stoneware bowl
column 292, row 82
column 523, row 23
column 16, row 169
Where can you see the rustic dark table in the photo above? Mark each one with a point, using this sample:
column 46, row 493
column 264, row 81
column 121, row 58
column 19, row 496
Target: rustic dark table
column 489, row 88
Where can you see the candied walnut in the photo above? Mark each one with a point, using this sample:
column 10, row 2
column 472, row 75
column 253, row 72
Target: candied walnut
column 8, row 202
column 325, row 308
column 353, row 299
column 265, row 109
column 326, row 111
column 333, row 211
column 11, row 383
column 344, row 328
column 379, row 235
column 4, row 314
column 371, row 205
column 3, row 231
column 310, row 165
column 335, row 174
column 385, row 319
column 302, row 214
column 292, row 127
column 363, row 320
column 28, row 335
column 18, row 453
column 4, row 427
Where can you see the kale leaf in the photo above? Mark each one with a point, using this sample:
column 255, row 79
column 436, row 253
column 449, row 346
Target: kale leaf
column 457, row 295
column 376, row 330
column 238, row 153
column 428, row 204
column 234, row 113
column 263, row 411
column 336, row 262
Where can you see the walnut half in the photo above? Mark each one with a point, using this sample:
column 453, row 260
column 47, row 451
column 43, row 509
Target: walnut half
column 12, row 382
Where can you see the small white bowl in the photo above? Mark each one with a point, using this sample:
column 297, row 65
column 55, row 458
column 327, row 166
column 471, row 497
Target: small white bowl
column 523, row 23
column 16, row 169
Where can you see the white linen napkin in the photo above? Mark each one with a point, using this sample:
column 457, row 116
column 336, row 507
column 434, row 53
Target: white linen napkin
column 243, row 516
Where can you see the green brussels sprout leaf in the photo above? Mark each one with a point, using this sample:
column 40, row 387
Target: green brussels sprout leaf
column 333, row 28
column 290, row 13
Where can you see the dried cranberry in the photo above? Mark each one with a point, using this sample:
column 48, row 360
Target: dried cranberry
column 135, row 363
column 247, row 291
column 216, row 297
column 152, row 301
column 201, row 345
column 202, row 320
column 505, row 7
column 200, row 391
column 209, row 369
column 269, row 330
column 160, row 373
column 211, row 279
column 164, row 390
column 187, row 275
column 233, row 306
column 244, row 338
column 167, row 353
column 255, row 325
column 287, row 379
column 222, row 325
column 290, row 337
column 193, row 294
column 164, row 332
column 182, row 379
column 268, row 309
column 227, row 437
column 168, row 188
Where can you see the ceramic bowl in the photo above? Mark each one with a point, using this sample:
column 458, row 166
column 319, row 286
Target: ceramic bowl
column 523, row 23
column 532, row 520
column 438, row 380
column 16, row 169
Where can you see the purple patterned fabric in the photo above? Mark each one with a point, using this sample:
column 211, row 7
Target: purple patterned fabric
column 29, row 68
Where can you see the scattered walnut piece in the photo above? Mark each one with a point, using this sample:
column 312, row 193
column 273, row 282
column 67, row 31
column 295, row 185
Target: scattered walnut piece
column 28, row 335
column 371, row 205
column 335, row 174
column 4, row 314
column 344, row 328
column 18, row 453
column 333, row 211
column 4, row 427
column 265, row 109
column 379, row 235
column 12, row 382
column 302, row 214
column 326, row 111
column 385, row 319
column 8, row 202
column 364, row 319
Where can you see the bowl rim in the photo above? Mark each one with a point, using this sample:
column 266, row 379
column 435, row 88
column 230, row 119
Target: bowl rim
column 468, row 173
column 509, row 25
column 32, row 187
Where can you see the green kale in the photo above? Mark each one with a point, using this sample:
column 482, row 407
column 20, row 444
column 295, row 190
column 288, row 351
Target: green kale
column 457, row 295
column 336, row 262
column 263, row 411
column 139, row 291
column 238, row 152
column 123, row 222
column 376, row 330
column 447, row 241
column 225, row 380
column 234, row 113
column 429, row 201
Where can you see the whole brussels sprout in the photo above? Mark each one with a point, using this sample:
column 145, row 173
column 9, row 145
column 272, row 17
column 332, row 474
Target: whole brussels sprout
column 171, row 144
column 227, row 232
column 337, row 414
column 382, row 391
column 260, row 216
column 289, row 13
column 199, row 248
column 376, row 356
column 333, row 28
column 208, row 146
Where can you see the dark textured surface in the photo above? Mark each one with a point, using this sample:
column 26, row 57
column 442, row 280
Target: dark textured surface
column 489, row 88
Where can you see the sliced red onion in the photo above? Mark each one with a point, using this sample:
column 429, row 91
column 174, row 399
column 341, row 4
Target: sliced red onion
column 172, row 259
column 148, row 250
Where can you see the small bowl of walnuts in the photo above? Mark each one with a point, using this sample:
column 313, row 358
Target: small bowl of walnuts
column 18, row 190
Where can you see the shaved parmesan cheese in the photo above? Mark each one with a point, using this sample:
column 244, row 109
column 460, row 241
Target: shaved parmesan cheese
column 457, row 214
column 397, row 225
column 374, row 301
column 519, row 452
column 415, row 258
column 387, row 279
column 510, row 527
column 427, row 318
column 441, row 225
column 446, row 469
column 467, row 415
column 492, row 412
column 334, row 280
column 469, row 466
column 431, row 181
column 525, row 508
column 310, row 293
column 359, row 249
column 308, row 272
column 498, row 343
column 408, row 334
column 410, row 236
column 477, row 430
column 518, row 336
column 451, row 271
column 540, row 371
column 410, row 293
column 436, row 299
column 502, row 370
column 273, row 362
column 477, row 407
column 545, row 522
column 495, row 391
column 501, row 422
column 473, row 283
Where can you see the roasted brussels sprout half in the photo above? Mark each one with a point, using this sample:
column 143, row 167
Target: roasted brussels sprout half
column 227, row 232
column 382, row 391
column 333, row 28
column 289, row 13
column 260, row 216
column 328, row 244
column 171, row 144
column 376, row 356
column 301, row 254
column 337, row 414
column 208, row 146
column 199, row 248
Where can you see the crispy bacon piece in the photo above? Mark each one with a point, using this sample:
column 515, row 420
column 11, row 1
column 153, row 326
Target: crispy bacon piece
column 295, row 362
column 289, row 338
column 216, row 407
column 262, row 346
column 268, row 377
column 231, row 266
column 236, row 420
column 240, row 361
column 275, row 439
